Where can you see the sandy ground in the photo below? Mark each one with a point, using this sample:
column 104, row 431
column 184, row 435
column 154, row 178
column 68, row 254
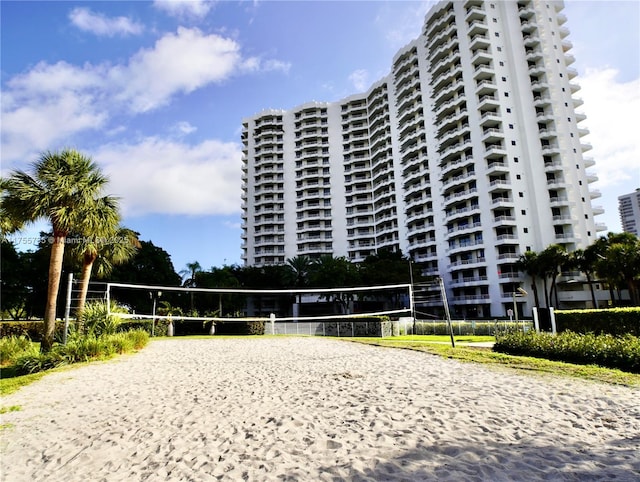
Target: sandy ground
column 313, row 409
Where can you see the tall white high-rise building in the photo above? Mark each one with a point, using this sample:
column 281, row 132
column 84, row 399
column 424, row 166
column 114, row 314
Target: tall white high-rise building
column 629, row 209
column 464, row 157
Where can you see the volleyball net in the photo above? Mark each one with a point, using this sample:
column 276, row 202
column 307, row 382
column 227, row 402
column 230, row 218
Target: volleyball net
column 228, row 305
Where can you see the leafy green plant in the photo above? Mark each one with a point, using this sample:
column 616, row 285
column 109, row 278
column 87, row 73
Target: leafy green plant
column 621, row 352
column 615, row 321
column 96, row 320
column 82, row 349
column 13, row 347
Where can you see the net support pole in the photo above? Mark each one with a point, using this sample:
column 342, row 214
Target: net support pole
column 446, row 310
column 411, row 304
column 67, row 309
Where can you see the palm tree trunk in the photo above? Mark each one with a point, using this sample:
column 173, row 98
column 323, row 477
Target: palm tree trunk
column 55, row 271
column 593, row 293
column 85, row 277
column 534, row 287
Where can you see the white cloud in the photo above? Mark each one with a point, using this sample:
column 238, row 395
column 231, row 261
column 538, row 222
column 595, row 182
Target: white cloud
column 49, row 103
column 611, row 108
column 184, row 8
column 360, row 80
column 180, row 62
column 184, row 128
column 101, row 25
column 160, row 176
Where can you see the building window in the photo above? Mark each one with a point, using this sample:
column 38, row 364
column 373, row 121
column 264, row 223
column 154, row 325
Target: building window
column 508, row 110
column 520, row 194
column 501, row 63
column 518, row 176
column 526, row 230
column 515, row 159
column 524, row 213
column 510, row 126
column 513, row 143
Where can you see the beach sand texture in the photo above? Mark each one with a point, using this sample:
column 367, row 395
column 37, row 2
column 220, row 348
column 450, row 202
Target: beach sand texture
column 313, row 409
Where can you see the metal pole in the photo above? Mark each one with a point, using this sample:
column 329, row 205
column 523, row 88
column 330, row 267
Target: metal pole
column 153, row 319
column 67, row 309
column 515, row 309
column 411, row 305
column 446, row 310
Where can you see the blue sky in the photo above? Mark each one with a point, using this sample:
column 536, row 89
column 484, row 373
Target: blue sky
column 155, row 93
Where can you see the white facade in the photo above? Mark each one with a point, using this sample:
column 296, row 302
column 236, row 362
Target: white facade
column 465, row 156
column 629, row 209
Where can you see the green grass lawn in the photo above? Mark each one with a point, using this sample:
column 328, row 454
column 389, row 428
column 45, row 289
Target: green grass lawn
column 435, row 346
column 439, row 338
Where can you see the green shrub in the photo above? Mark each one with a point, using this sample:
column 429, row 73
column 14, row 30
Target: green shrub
column 464, row 327
column 81, row 349
column 12, row 347
column 96, row 320
column 37, row 362
column 615, row 321
column 240, row 328
column 31, row 329
column 606, row 350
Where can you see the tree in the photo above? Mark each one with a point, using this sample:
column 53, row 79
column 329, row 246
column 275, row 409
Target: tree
column 529, row 263
column 64, row 189
column 585, row 260
column 12, row 283
column 114, row 245
column 330, row 272
column 552, row 259
column 150, row 265
column 623, row 259
column 299, row 268
column 192, row 270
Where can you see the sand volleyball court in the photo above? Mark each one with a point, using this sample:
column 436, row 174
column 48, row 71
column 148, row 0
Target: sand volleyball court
column 313, row 409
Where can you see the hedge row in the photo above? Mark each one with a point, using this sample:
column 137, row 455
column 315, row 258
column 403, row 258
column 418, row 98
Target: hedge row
column 31, row 329
column 589, row 349
column 615, row 321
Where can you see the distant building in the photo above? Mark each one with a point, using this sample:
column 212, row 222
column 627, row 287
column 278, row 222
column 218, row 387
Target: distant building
column 466, row 155
column 629, row 208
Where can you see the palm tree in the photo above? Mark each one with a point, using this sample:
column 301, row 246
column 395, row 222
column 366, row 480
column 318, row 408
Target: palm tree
column 113, row 247
column 192, row 270
column 64, row 189
column 529, row 263
column 623, row 257
column 585, row 260
column 553, row 258
column 299, row 268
